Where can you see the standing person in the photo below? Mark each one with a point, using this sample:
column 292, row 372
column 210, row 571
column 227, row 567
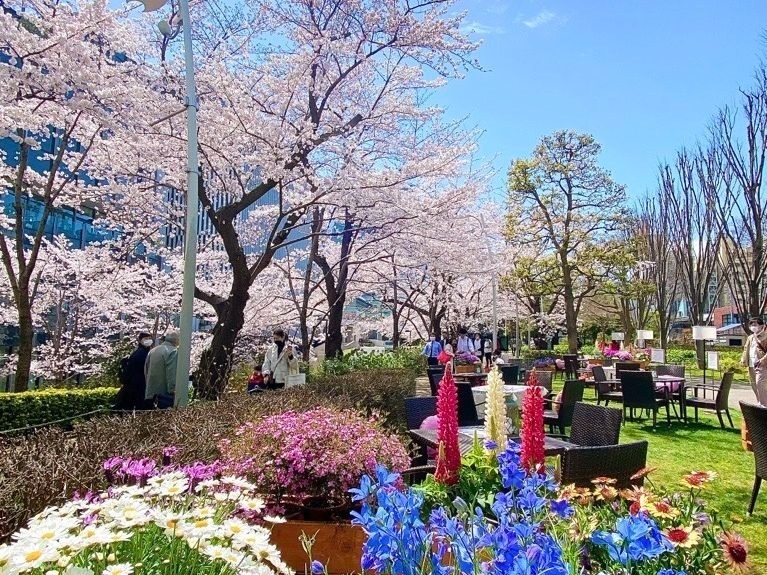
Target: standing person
column 160, row 373
column 478, row 345
column 432, row 350
column 755, row 358
column 488, row 352
column 279, row 361
column 132, row 377
column 464, row 344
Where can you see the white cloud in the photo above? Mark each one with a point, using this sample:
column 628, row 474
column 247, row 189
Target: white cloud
column 543, row 17
column 481, row 29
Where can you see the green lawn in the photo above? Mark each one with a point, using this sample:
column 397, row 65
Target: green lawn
column 679, row 448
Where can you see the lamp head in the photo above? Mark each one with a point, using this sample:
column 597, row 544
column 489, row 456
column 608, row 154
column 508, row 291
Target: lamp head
column 164, row 27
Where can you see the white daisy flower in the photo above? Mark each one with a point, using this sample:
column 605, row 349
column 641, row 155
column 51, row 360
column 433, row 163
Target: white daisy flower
column 118, row 569
column 253, row 504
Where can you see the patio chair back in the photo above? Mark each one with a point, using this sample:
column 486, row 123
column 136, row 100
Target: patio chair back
column 638, row 389
column 625, row 366
column 435, row 377
column 675, row 370
column 419, row 408
column 467, row 409
column 545, row 379
column 756, row 423
column 620, row 462
column 510, row 374
column 723, row 394
column 571, row 365
column 600, row 379
column 595, row 426
column 572, row 393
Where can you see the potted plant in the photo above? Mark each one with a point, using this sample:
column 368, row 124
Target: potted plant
column 467, row 363
column 304, row 463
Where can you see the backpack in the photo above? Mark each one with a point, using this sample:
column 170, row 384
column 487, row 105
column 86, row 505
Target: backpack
column 123, row 374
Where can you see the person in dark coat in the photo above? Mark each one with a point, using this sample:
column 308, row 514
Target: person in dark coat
column 133, row 377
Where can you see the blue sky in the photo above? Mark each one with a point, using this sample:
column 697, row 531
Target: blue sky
column 643, row 77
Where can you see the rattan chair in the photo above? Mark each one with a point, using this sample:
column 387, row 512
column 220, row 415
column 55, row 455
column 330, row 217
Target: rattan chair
column 605, row 389
column 580, row 465
column 638, row 389
column 419, row 408
column 718, row 403
column 510, row 374
column 666, row 369
column 563, row 417
column 546, row 380
column 621, row 366
column 595, row 426
column 571, row 366
column 435, row 377
column 755, row 417
column 467, row 408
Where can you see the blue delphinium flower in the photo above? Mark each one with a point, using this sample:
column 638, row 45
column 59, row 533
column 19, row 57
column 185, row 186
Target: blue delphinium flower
column 317, row 568
column 561, row 508
column 635, row 538
column 490, row 445
column 671, row 572
column 512, row 473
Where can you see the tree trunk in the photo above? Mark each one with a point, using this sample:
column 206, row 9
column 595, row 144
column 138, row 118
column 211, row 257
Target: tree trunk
column 26, row 338
column 571, row 319
column 216, row 361
column 334, row 337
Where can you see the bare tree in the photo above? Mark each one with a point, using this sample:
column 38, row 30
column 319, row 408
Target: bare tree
column 654, row 222
column 688, row 190
column 742, row 206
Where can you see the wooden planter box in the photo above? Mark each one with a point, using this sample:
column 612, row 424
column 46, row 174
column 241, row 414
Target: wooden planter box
column 337, row 545
column 466, row 369
column 745, row 437
column 597, row 361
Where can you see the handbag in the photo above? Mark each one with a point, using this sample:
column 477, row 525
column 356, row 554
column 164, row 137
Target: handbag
column 295, row 379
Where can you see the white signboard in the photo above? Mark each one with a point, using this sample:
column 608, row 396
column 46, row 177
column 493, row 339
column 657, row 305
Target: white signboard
column 712, row 360
column 658, row 355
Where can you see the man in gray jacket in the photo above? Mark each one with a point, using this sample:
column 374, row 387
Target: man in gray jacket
column 160, row 370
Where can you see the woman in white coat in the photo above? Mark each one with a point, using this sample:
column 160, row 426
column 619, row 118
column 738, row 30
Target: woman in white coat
column 280, row 361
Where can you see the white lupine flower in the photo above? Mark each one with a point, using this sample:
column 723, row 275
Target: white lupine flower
column 495, row 411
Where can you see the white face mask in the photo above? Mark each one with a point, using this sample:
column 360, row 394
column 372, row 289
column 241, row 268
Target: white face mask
column 432, row 338
column 147, row 342
column 756, row 329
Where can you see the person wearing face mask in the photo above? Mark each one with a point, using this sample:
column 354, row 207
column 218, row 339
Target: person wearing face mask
column 160, row 372
column 431, row 351
column 755, row 358
column 132, row 377
column 280, row 361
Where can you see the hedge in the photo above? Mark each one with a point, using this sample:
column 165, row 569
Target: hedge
column 18, row 410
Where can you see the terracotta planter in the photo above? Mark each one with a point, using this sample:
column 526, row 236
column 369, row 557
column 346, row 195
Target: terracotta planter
column 336, row 545
column 745, row 437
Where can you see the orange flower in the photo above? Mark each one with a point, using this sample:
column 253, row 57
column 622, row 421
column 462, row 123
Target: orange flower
column 605, row 493
column 644, row 472
column 698, row 479
column 637, row 494
column 568, row 492
column 684, row 537
column 604, row 481
column 663, row 510
column 735, row 551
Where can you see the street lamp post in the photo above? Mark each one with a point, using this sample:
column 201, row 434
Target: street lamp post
column 192, row 178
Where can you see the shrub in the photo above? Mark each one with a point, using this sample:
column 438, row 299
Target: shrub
column 49, row 465
column 409, row 358
column 313, row 457
column 374, row 391
column 18, row 410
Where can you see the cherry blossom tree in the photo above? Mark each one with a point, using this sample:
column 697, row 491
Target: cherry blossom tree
column 313, row 107
column 74, row 93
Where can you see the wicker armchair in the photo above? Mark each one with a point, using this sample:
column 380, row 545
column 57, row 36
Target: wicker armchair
column 419, row 408
column 606, row 389
column 467, row 408
column 595, row 426
column 666, row 369
column 755, row 417
column 563, row 417
column 620, row 462
column 639, row 391
column 510, row 374
column 718, row 403
column 626, row 366
column 435, row 377
column 571, row 365
column 545, row 379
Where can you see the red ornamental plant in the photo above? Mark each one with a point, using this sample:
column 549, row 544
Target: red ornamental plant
column 449, row 457
column 533, row 435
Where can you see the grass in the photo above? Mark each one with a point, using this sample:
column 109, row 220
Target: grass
column 680, row 448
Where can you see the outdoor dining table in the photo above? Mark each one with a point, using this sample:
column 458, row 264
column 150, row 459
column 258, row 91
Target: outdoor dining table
column 674, row 384
column 552, row 446
column 474, row 379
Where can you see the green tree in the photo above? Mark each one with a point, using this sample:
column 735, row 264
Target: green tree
column 561, row 202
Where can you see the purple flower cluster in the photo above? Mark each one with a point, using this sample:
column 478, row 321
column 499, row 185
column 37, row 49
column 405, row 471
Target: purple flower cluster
column 314, row 455
column 127, row 470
